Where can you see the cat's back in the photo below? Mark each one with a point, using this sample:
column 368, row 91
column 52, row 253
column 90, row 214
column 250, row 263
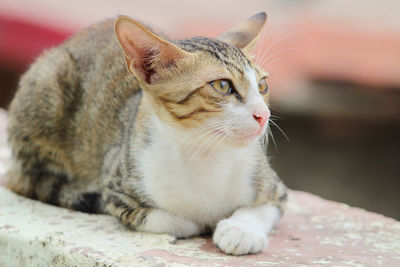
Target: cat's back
column 94, row 46
column 68, row 101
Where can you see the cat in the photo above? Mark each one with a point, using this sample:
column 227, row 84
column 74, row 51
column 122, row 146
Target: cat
column 165, row 135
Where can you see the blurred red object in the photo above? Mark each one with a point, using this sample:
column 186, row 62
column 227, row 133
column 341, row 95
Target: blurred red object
column 22, row 41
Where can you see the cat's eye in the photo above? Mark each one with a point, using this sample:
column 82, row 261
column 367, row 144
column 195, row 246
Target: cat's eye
column 224, row 86
column 263, row 86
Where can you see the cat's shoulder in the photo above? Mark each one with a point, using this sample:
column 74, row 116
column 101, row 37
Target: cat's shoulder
column 92, row 38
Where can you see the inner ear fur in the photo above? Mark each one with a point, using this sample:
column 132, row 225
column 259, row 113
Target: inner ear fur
column 245, row 34
column 145, row 52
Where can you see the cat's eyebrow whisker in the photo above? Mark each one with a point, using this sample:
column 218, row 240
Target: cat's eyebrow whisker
column 269, row 65
column 273, row 44
column 283, row 133
column 260, row 42
column 265, row 61
column 257, row 54
column 273, row 67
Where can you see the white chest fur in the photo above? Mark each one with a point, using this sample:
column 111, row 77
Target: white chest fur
column 206, row 191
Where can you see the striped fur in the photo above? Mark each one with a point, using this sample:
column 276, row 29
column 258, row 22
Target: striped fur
column 139, row 132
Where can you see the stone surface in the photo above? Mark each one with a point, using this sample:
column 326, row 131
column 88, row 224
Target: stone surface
column 313, row 231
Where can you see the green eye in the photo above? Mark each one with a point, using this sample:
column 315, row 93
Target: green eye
column 263, row 86
column 223, row 86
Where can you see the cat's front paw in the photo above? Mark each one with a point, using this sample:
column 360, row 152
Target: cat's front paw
column 159, row 221
column 237, row 238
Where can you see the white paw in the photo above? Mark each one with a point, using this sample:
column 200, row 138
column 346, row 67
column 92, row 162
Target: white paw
column 159, row 221
column 237, row 238
column 183, row 228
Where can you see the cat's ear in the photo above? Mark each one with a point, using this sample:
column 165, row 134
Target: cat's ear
column 244, row 35
column 145, row 52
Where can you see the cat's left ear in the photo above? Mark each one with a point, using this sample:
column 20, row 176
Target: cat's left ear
column 245, row 34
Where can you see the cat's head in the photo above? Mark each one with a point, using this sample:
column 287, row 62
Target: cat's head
column 206, row 89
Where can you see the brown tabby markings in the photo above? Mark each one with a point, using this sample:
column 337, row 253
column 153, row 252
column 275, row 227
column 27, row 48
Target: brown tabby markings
column 230, row 56
column 196, row 102
column 202, row 100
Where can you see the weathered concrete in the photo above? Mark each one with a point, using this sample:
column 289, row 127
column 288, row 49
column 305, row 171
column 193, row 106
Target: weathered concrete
column 312, row 232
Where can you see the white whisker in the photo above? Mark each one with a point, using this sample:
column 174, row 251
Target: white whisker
column 283, row 133
column 222, row 142
column 204, row 130
column 273, row 138
column 260, row 42
column 276, row 117
column 265, row 61
column 272, row 45
column 201, row 148
column 270, row 64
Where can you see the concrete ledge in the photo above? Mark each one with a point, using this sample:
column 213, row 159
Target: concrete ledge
column 312, row 232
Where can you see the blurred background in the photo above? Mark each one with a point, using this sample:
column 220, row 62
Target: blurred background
column 335, row 85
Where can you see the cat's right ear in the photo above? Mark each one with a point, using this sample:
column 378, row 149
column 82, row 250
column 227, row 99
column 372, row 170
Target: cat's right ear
column 145, row 52
column 245, row 34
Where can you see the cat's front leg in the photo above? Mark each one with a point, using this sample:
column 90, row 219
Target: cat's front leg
column 159, row 221
column 147, row 219
column 246, row 230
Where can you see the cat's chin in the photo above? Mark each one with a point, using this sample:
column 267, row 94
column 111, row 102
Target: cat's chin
column 241, row 140
column 245, row 140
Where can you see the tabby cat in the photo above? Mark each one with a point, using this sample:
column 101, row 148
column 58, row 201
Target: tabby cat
column 165, row 135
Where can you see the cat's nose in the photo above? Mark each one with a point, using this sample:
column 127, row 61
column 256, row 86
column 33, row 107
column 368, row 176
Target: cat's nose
column 261, row 116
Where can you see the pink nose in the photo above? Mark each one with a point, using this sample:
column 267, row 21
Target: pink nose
column 261, row 116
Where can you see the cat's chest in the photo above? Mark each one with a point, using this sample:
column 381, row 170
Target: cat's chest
column 205, row 189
